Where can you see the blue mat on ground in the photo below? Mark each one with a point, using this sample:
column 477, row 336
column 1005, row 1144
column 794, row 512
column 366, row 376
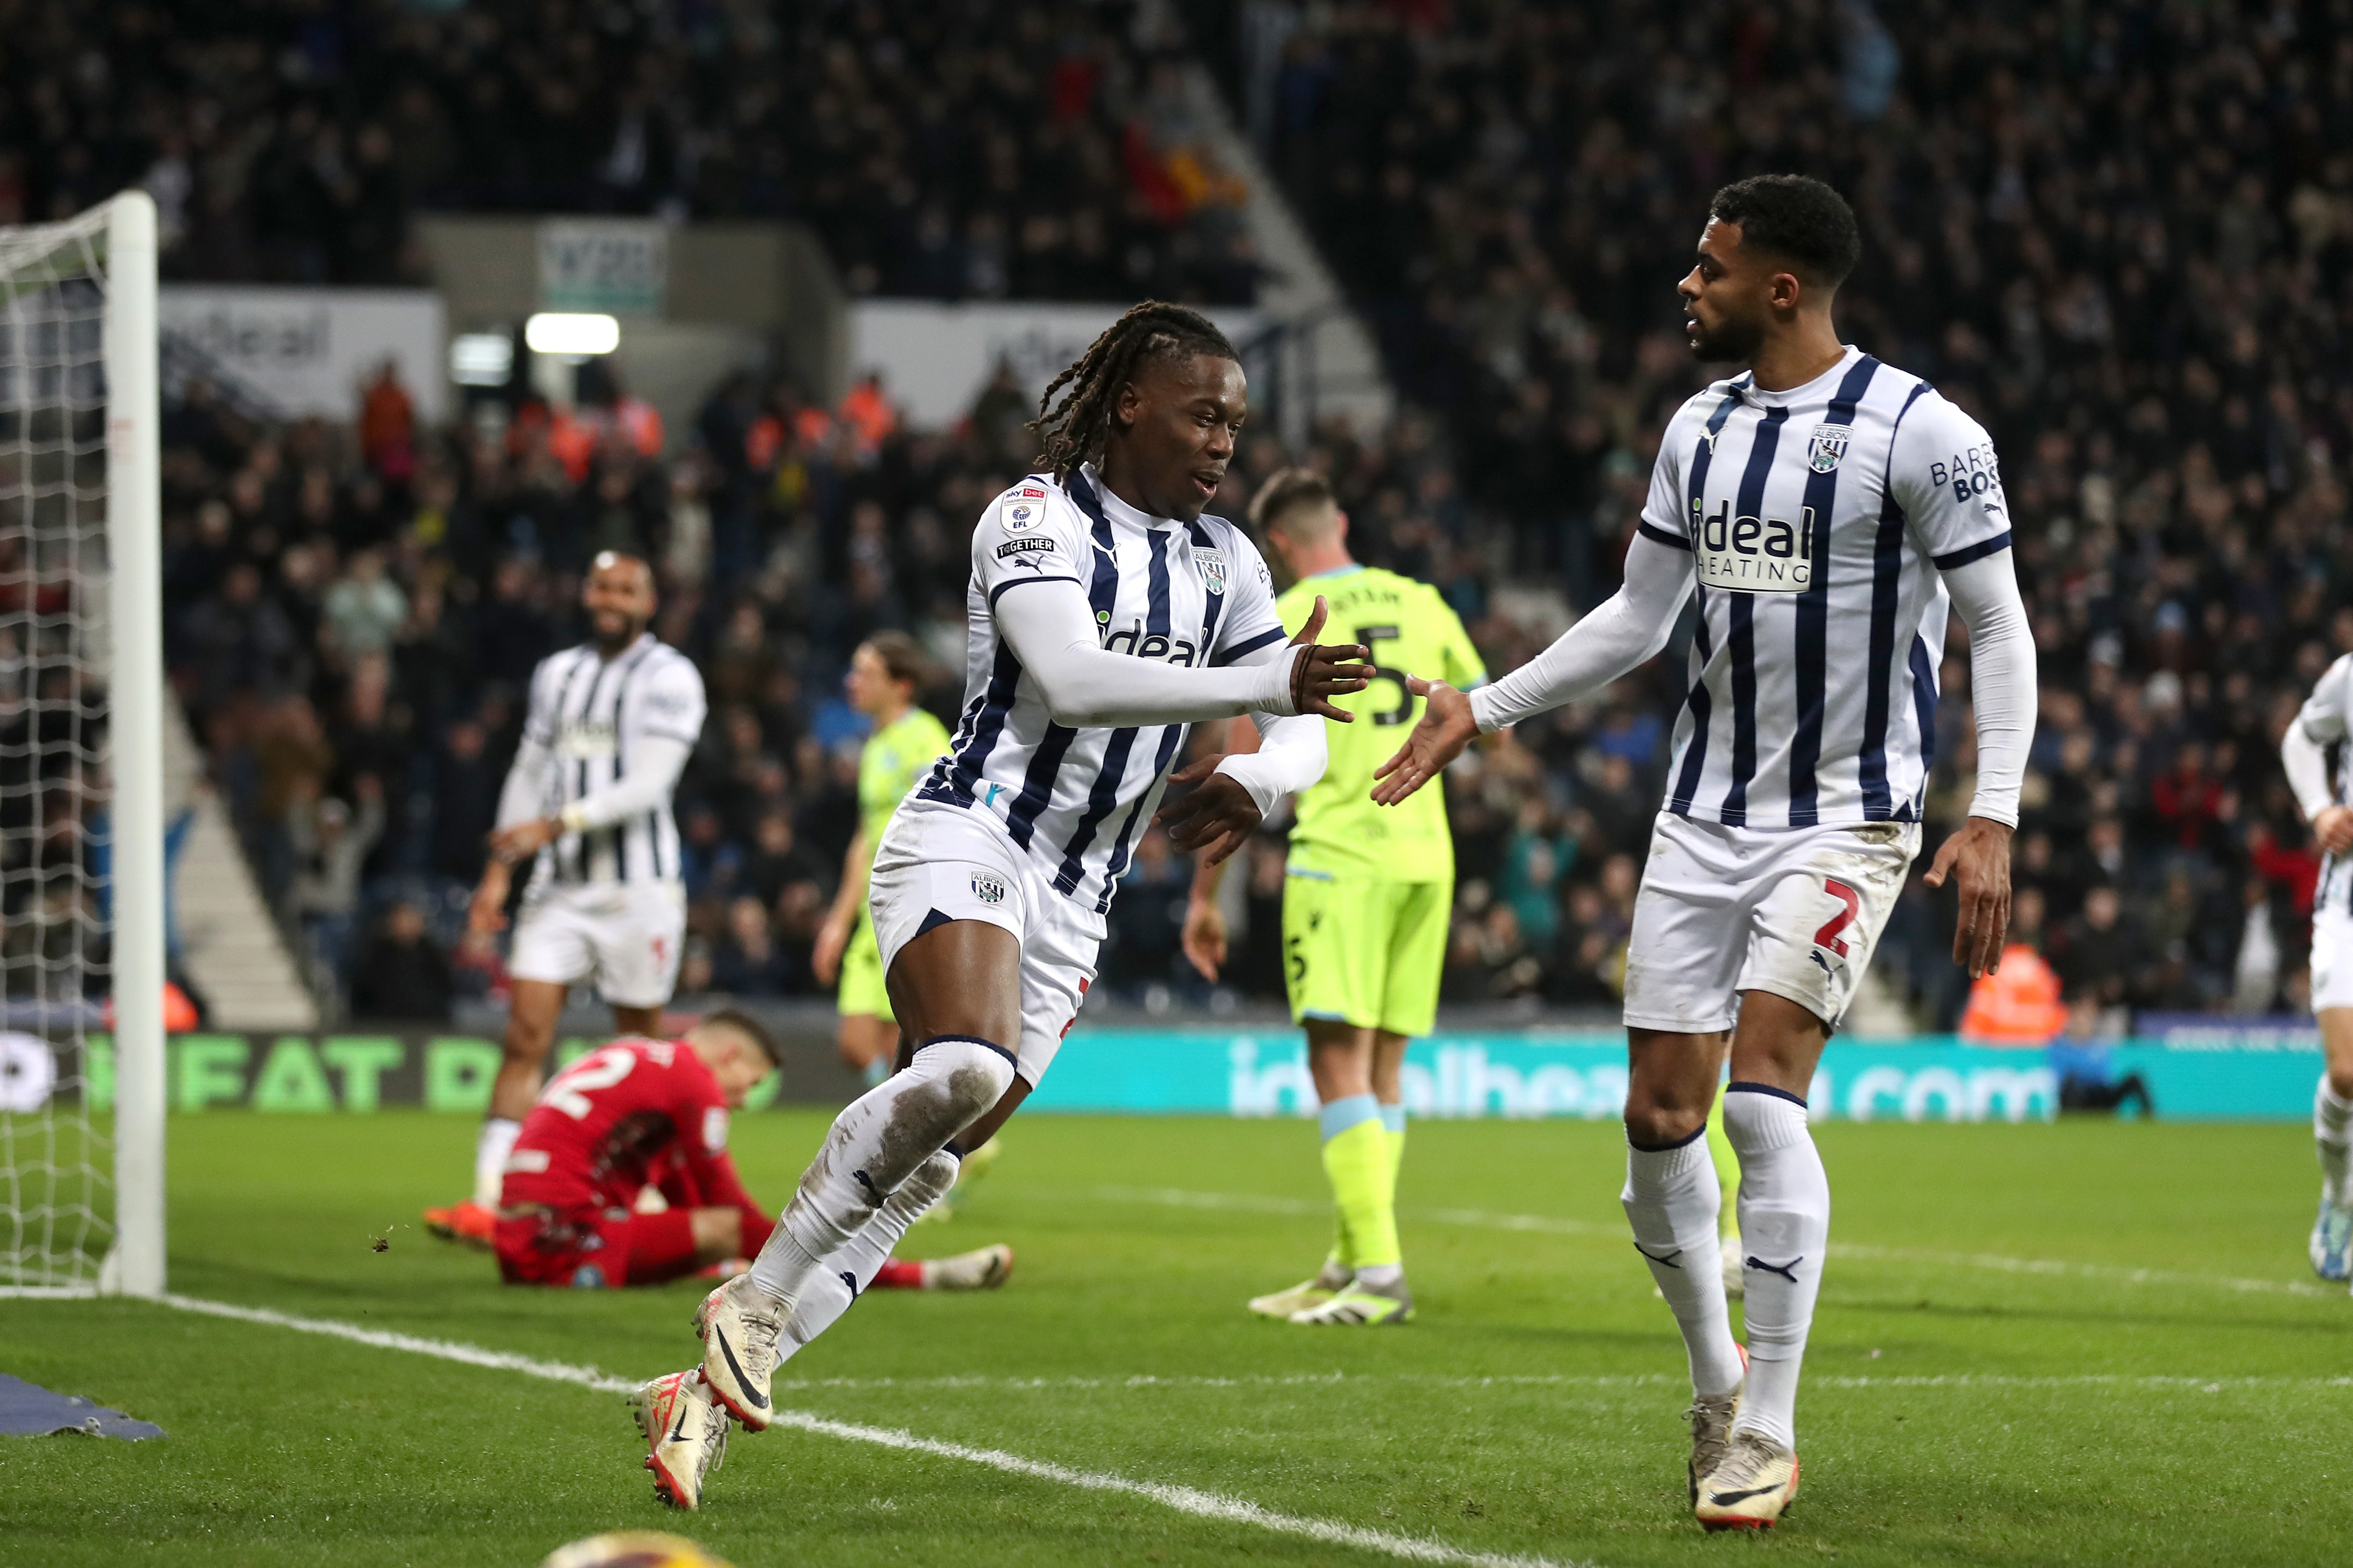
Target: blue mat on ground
column 28, row 1410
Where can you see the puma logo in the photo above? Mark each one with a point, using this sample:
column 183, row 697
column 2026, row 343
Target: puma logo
column 1786, row 1270
column 1668, row 1261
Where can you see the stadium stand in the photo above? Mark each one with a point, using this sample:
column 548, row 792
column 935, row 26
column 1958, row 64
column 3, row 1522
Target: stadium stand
column 987, row 151
column 1510, row 208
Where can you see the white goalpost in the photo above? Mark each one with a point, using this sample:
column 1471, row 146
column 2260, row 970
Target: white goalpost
column 81, row 785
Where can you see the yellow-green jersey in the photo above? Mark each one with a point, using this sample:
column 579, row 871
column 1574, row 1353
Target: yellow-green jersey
column 1410, row 629
column 896, row 755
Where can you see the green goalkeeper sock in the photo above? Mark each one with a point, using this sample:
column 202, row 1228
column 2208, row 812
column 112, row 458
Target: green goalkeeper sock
column 1356, row 1161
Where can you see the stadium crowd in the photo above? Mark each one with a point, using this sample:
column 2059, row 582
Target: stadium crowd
column 1034, row 150
column 2142, row 306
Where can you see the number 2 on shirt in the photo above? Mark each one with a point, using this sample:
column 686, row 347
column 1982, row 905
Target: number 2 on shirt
column 606, row 1067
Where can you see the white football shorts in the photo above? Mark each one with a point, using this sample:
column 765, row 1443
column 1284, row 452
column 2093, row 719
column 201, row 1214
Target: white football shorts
column 1793, row 911
column 626, row 936
column 939, row 863
column 2332, row 958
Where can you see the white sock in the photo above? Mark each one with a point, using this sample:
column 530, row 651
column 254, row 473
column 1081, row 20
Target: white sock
column 2331, row 1120
column 1380, row 1276
column 1785, row 1226
column 1671, row 1200
column 879, row 1141
column 496, row 1141
column 844, row 1276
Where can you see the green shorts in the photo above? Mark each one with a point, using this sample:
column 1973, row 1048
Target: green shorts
column 864, row 994
column 1366, row 953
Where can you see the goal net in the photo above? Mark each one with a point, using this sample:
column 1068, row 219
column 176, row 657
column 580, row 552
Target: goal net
column 81, row 917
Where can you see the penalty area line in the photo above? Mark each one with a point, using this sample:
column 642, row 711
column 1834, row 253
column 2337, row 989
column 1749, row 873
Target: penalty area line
column 1546, row 1225
column 1181, row 1498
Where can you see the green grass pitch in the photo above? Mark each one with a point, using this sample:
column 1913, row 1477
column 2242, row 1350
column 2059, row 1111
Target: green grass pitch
column 2085, row 1413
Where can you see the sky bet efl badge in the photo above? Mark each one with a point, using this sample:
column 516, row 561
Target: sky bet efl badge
column 1827, row 446
column 1023, row 508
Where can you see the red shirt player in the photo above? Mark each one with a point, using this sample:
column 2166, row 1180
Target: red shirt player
column 634, row 1114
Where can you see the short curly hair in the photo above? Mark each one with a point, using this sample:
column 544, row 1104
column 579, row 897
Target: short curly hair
column 1795, row 216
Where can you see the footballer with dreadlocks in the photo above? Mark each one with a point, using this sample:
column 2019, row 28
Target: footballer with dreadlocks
column 1107, row 614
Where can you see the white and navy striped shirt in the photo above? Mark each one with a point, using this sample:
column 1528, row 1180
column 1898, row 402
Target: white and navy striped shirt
column 1189, row 594
column 2326, row 719
column 588, row 726
column 1818, row 520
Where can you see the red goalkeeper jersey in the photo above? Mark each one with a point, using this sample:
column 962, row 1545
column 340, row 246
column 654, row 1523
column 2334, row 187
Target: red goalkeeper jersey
column 631, row 1114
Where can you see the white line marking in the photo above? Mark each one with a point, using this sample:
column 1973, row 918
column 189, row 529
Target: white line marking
column 1560, row 1380
column 1480, row 1219
column 384, row 1340
column 1184, row 1500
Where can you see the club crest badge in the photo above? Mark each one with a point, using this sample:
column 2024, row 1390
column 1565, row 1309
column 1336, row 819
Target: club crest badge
column 1828, row 446
column 1213, row 568
column 989, row 889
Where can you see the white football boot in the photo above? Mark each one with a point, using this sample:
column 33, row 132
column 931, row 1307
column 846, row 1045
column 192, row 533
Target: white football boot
column 1749, row 1490
column 740, row 1324
column 686, row 1434
column 983, row 1268
column 1711, row 1428
column 1330, row 1280
column 2332, row 1241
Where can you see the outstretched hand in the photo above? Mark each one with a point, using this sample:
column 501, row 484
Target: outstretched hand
column 1204, row 941
column 1979, row 854
column 1216, row 818
column 1445, row 729
column 1325, row 672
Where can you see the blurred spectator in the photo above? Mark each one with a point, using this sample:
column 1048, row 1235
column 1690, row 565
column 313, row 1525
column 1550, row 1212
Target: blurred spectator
column 330, row 845
column 401, row 977
column 747, row 961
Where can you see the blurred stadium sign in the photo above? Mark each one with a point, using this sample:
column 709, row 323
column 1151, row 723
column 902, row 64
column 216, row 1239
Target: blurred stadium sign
column 614, row 267
column 1208, row 1071
column 307, row 351
column 934, row 358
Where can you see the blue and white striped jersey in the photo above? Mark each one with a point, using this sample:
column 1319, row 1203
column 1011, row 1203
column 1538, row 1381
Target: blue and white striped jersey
column 1189, row 594
column 1818, row 520
column 591, row 717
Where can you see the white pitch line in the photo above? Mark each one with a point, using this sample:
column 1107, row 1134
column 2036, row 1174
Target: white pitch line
column 1481, row 1219
column 1864, row 1381
column 384, row 1340
column 1183, row 1499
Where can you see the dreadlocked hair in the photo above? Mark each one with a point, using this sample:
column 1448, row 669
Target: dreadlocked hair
column 1074, row 429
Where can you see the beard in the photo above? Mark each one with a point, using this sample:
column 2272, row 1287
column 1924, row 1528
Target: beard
column 618, row 638
column 1728, row 342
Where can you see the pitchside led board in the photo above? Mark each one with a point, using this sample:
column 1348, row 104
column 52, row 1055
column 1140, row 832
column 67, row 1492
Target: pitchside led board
column 2197, row 1071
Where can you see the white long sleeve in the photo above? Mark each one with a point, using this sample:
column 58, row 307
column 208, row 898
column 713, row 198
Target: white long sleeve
column 658, row 760
column 1629, row 628
column 1291, row 756
column 1051, row 630
column 2001, row 677
column 525, row 794
column 2306, row 761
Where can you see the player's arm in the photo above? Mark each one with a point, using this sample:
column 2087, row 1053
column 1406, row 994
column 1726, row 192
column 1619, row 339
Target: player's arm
column 709, row 1169
column 667, row 716
column 2304, row 756
column 1630, row 627
column 1051, row 629
column 1204, row 923
column 521, row 797
column 1941, row 471
column 833, row 936
column 1237, row 791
